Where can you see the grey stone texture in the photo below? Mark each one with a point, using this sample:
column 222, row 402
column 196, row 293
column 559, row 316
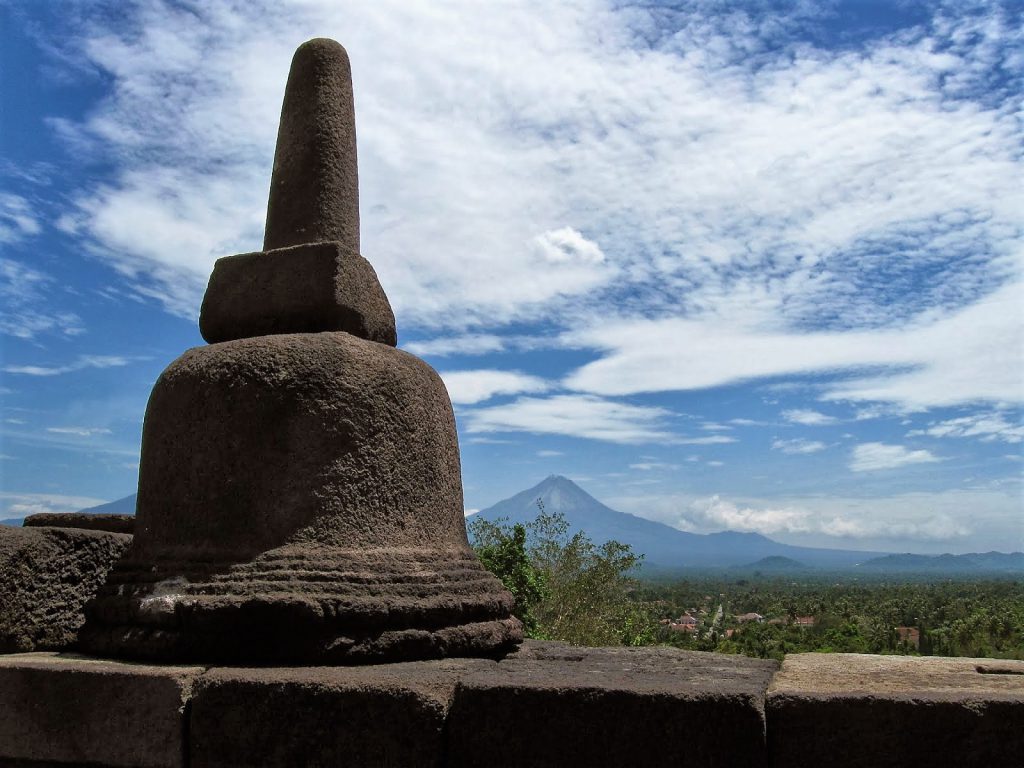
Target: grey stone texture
column 554, row 705
column 389, row 715
column 314, row 189
column 546, row 704
column 46, row 577
column 85, row 522
column 301, row 289
column 300, row 496
column 300, row 500
column 310, row 276
column 63, row 709
column 852, row 710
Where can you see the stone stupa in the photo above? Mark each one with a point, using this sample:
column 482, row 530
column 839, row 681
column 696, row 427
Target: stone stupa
column 300, row 498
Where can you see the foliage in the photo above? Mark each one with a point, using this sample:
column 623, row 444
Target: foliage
column 566, row 587
column 503, row 553
column 953, row 618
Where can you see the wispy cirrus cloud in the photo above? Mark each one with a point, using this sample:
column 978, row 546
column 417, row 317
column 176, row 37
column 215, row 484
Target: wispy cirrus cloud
column 468, row 387
column 798, row 446
column 561, row 162
column 808, row 417
column 17, row 218
column 79, row 431
column 706, row 440
column 871, row 457
column 81, row 363
column 986, row 426
column 470, row 344
column 932, row 520
column 574, row 415
column 918, row 365
column 27, row 310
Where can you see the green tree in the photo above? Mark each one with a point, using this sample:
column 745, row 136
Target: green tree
column 503, row 552
column 566, row 587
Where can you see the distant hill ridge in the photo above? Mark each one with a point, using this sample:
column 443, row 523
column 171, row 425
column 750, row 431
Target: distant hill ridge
column 775, row 563
column 662, row 545
column 669, row 548
column 666, row 547
column 972, row 561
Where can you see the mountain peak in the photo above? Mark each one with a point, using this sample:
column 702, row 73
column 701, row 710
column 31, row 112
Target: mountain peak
column 661, row 544
column 560, row 494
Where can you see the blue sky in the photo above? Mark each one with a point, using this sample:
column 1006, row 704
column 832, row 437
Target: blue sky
column 754, row 266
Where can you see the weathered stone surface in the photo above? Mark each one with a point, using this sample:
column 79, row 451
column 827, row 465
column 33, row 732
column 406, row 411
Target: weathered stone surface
column 46, row 577
column 859, row 710
column 314, row 189
column 387, row 715
column 109, row 523
column 555, row 705
column 300, row 500
column 65, row 709
column 302, row 289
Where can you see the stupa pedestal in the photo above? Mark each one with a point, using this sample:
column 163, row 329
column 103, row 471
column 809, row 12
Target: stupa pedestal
column 300, row 496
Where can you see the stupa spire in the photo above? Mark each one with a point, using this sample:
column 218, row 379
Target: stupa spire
column 310, row 276
column 314, row 189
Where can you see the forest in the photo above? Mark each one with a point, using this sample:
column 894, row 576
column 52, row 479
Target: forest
column 568, row 588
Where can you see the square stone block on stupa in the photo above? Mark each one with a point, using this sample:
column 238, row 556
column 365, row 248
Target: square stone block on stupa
column 300, row 496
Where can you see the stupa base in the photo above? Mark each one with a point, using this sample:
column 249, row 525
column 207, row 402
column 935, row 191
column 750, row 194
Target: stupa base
column 294, row 606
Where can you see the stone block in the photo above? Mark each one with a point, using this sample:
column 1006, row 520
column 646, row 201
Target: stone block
column 58, row 709
column 83, row 521
column 846, row 710
column 46, row 577
column 301, row 289
column 300, row 501
column 555, row 705
column 389, row 715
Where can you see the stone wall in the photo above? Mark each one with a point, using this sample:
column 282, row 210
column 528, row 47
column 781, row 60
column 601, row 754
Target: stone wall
column 546, row 705
column 47, row 574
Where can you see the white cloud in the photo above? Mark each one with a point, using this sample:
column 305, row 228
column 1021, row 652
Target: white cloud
column 17, row 219
column 808, row 417
column 467, row 387
column 970, row 355
column 653, row 466
column 24, row 504
column 566, row 245
column 79, row 431
column 546, row 454
column 726, row 515
column 500, row 146
column 709, row 440
column 575, row 415
column 934, row 521
column 798, row 445
column 27, row 310
column 989, row 427
column 82, row 362
column 876, row 411
column 472, row 344
column 869, row 457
